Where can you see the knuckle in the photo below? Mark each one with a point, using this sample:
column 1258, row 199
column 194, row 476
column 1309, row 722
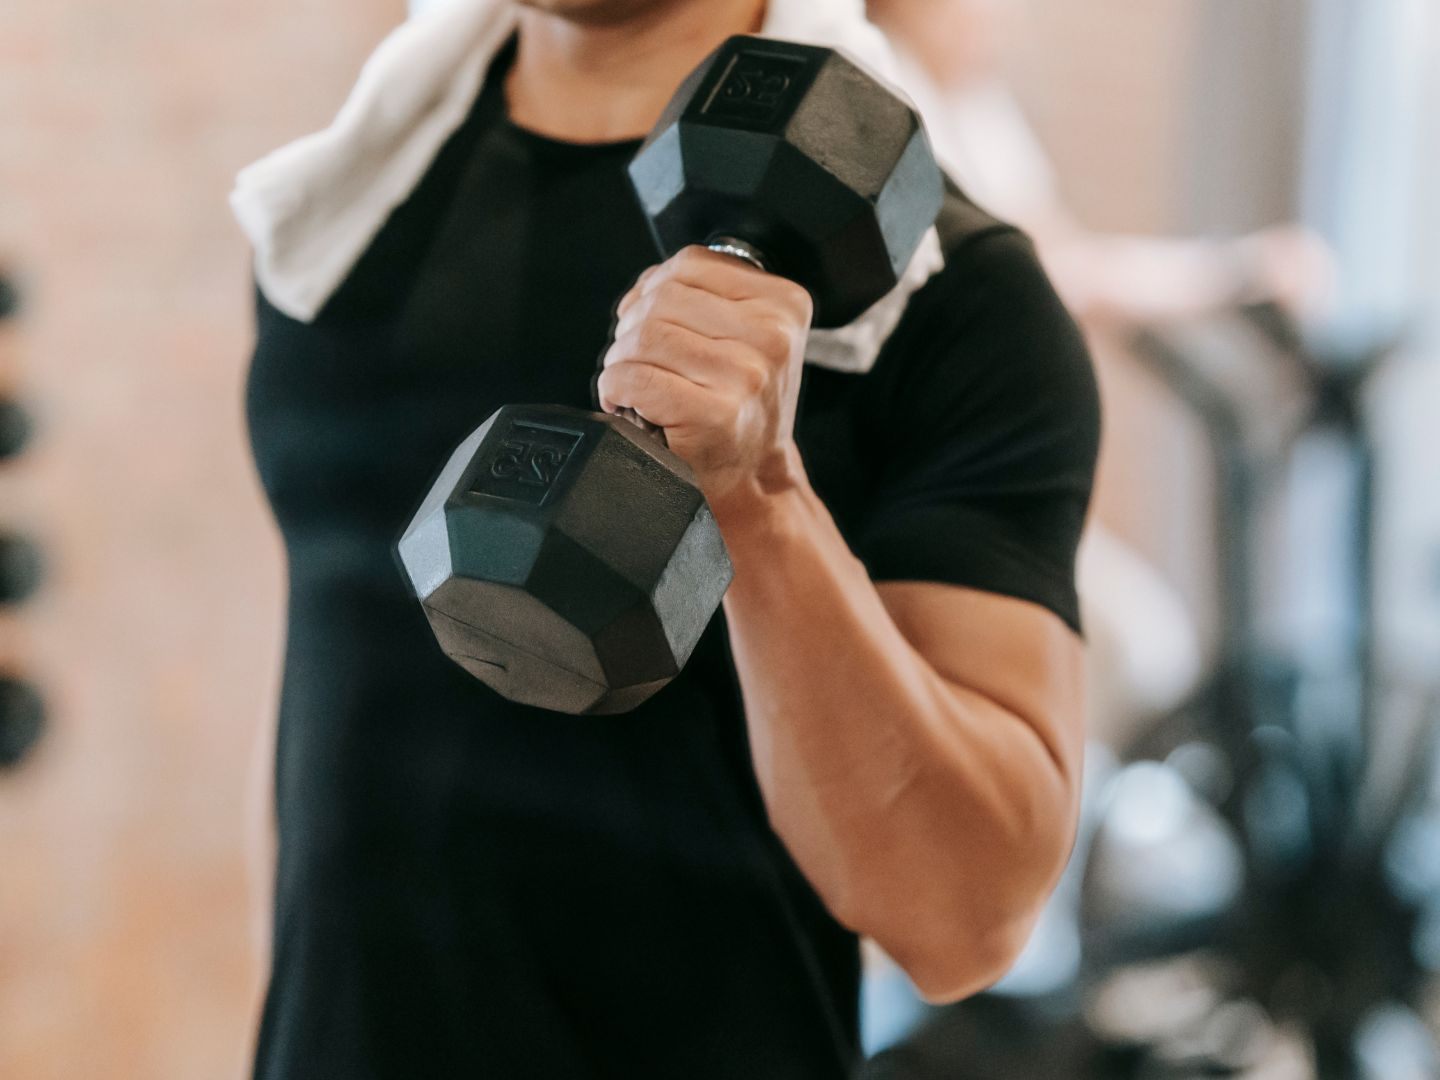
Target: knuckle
column 799, row 300
column 690, row 256
column 753, row 379
column 605, row 385
column 774, row 337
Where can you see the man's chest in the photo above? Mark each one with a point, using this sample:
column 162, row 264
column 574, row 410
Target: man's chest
column 466, row 302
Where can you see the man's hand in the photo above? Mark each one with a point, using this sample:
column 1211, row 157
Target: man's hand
column 710, row 349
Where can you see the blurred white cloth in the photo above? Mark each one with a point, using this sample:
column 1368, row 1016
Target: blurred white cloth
column 311, row 208
column 980, row 134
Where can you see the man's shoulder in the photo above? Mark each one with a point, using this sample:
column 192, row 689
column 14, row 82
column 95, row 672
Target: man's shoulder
column 992, row 286
column 962, row 221
column 987, row 331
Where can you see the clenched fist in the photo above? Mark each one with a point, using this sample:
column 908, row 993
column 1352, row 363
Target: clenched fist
column 710, row 349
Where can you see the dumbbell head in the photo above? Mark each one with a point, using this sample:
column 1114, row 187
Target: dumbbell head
column 566, row 559
column 802, row 154
column 22, row 721
column 15, row 428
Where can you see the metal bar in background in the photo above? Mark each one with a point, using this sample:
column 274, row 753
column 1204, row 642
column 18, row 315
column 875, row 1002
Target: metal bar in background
column 1372, row 188
column 1371, row 144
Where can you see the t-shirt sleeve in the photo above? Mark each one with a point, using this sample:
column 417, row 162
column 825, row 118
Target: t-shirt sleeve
column 992, row 427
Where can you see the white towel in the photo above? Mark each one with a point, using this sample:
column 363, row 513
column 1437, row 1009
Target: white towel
column 311, row 208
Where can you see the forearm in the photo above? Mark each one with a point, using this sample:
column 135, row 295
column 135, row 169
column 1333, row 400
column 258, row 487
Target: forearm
column 926, row 814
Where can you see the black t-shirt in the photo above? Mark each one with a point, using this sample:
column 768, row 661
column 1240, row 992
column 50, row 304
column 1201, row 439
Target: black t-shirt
column 472, row 888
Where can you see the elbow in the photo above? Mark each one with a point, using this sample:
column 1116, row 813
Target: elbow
column 950, row 972
column 969, row 939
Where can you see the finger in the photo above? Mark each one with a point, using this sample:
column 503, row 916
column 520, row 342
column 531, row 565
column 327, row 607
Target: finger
column 636, row 290
column 732, row 278
column 756, row 323
column 723, row 275
column 702, row 360
column 700, row 268
column 658, row 395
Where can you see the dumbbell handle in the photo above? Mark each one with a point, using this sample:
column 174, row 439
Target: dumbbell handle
column 724, row 245
column 741, row 249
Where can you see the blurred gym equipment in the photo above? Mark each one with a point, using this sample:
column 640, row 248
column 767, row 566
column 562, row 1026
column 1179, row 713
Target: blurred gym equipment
column 22, row 568
column 16, row 428
column 1262, row 883
column 22, row 721
column 9, row 297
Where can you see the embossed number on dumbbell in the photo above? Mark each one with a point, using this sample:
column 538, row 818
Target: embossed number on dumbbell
column 754, row 88
column 525, row 463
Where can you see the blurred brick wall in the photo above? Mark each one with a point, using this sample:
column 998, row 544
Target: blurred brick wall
column 123, row 941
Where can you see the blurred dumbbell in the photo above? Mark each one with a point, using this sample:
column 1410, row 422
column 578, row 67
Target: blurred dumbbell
column 16, row 428
column 15, row 425
column 22, row 721
column 22, row 568
column 9, row 297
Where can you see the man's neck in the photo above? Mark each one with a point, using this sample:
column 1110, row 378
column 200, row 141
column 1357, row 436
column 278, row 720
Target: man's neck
column 592, row 82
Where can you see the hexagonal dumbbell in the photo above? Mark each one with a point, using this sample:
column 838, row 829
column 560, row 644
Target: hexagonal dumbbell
column 567, row 558
column 815, row 167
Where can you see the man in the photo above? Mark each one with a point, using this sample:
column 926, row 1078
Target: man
column 880, row 737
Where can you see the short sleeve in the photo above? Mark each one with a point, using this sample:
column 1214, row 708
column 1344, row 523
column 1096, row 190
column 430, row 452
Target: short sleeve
column 991, row 430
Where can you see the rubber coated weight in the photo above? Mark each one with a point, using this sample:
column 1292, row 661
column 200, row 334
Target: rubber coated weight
column 804, row 155
column 567, row 558
column 21, row 569
column 22, row 721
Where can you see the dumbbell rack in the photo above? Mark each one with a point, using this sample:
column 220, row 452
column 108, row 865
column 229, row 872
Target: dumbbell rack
column 22, row 709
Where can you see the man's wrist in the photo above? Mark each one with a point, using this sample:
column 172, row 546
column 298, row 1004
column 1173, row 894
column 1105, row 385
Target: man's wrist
column 766, row 502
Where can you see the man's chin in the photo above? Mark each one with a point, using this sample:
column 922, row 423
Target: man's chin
column 594, row 12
